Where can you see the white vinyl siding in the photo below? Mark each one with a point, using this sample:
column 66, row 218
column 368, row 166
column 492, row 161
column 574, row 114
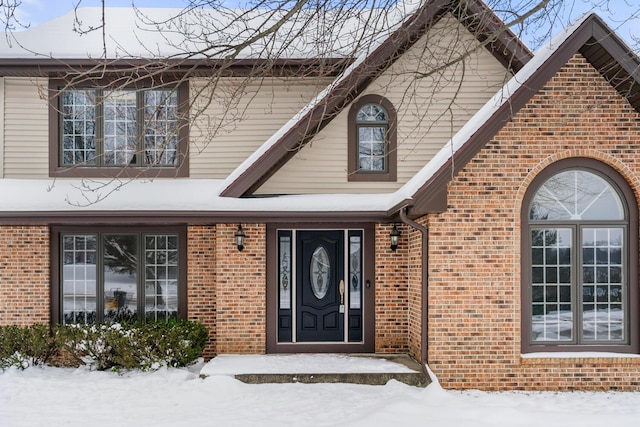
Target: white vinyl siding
column 26, row 128
column 426, row 116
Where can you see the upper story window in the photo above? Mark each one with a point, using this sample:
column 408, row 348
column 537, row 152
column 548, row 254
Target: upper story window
column 372, row 140
column 123, row 132
column 579, row 271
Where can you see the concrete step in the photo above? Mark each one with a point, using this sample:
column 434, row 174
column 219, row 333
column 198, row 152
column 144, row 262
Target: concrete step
column 369, row 369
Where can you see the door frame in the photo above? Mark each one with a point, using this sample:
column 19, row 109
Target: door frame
column 368, row 293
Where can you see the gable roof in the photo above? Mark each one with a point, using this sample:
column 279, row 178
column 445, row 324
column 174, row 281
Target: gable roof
column 589, row 36
column 275, row 152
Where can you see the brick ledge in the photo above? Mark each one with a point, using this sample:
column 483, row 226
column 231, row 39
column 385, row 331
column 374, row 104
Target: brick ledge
column 591, row 358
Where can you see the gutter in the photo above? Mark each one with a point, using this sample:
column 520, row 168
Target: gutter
column 424, row 320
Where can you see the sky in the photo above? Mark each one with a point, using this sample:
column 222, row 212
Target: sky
column 622, row 15
column 79, row 397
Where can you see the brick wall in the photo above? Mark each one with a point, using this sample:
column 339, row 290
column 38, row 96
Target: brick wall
column 24, row 275
column 240, row 290
column 474, row 250
column 391, row 286
column 415, row 291
column 201, row 297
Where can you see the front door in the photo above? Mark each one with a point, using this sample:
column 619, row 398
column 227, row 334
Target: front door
column 320, row 296
column 320, row 290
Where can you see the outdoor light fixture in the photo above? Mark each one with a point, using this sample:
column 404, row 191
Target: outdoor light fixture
column 395, row 237
column 240, row 237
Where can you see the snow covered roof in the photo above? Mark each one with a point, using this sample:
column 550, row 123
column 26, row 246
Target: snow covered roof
column 588, row 35
column 192, row 197
column 200, row 33
column 166, row 197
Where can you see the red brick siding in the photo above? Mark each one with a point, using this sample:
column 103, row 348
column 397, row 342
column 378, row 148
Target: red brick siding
column 24, row 275
column 415, row 292
column 201, row 298
column 241, row 290
column 474, row 250
column 391, row 285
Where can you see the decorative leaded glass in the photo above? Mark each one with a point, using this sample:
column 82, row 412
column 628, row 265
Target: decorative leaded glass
column 284, row 273
column 319, row 272
column 355, row 272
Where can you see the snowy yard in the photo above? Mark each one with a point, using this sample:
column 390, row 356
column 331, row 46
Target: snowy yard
column 179, row 397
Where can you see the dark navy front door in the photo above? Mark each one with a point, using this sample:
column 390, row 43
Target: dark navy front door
column 320, row 291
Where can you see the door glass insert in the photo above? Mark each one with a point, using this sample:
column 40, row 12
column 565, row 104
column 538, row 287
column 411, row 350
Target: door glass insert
column 320, row 269
column 355, row 271
column 285, row 272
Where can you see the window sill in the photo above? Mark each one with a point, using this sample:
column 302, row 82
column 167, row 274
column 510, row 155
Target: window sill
column 120, row 172
column 371, row 177
column 573, row 358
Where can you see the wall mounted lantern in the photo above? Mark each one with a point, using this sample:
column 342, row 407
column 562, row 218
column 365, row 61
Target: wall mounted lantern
column 240, row 236
column 395, row 237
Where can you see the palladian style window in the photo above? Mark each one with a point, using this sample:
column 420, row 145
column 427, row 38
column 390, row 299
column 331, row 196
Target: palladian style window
column 578, row 289
column 372, row 140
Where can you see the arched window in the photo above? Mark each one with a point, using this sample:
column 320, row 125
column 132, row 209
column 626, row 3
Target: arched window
column 580, row 260
column 372, row 140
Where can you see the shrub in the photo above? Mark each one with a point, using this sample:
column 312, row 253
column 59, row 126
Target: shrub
column 22, row 347
column 134, row 345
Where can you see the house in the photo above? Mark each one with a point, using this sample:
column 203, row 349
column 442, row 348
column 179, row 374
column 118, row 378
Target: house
column 482, row 218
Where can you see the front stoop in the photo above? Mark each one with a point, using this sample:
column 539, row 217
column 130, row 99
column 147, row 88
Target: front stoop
column 416, row 378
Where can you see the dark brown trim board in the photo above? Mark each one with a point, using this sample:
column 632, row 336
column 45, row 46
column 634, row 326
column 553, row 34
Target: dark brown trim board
column 186, row 217
column 68, row 67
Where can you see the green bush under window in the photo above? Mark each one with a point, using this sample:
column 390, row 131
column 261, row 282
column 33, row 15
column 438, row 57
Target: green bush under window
column 145, row 346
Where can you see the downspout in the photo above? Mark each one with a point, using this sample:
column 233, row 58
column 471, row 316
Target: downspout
column 424, row 348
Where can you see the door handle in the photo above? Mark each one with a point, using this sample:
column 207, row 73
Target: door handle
column 341, row 292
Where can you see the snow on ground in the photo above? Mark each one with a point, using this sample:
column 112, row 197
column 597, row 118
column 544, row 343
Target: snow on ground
column 226, row 364
column 180, row 397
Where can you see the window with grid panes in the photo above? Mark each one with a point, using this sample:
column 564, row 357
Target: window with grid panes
column 578, row 290
column 98, row 131
column 119, row 276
